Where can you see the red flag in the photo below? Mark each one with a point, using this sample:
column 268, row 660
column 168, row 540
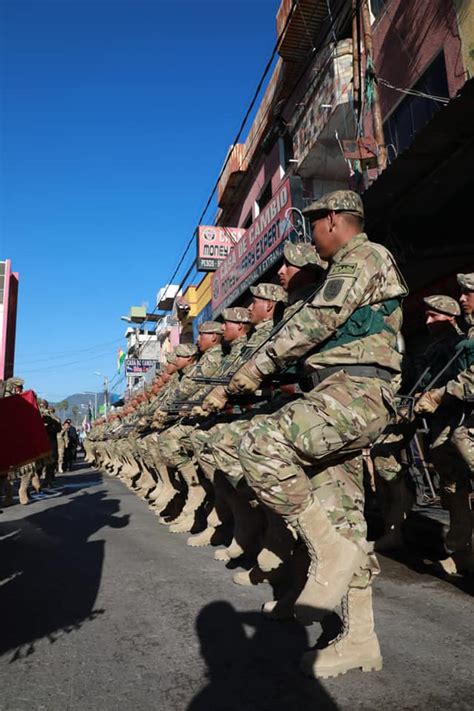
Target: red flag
column 23, row 437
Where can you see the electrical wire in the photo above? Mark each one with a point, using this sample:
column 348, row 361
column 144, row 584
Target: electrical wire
column 414, row 92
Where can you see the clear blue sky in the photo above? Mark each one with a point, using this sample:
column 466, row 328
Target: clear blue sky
column 116, row 116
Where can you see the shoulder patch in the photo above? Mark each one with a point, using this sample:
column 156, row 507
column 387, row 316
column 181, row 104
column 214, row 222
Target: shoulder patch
column 343, row 270
column 332, row 289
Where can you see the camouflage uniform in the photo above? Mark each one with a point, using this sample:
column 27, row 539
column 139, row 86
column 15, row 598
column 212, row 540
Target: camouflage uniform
column 218, row 448
column 447, row 448
column 347, row 334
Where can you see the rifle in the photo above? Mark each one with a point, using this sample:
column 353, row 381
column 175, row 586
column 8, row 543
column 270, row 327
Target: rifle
column 224, row 380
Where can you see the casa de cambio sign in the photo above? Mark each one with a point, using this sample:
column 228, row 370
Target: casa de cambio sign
column 258, row 248
column 214, row 244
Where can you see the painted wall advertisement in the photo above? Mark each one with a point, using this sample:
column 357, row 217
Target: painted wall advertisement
column 214, row 244
column 258, row 249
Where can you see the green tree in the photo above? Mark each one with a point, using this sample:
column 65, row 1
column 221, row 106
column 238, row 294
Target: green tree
column 75, row 412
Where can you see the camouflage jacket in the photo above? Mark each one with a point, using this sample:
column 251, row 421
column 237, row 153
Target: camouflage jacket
column 361, row 274
column 207, row 366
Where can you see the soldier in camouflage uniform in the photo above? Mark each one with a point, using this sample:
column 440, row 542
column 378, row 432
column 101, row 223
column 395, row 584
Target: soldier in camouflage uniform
column 299, row 274
column 228, row 502
column 175, row 444
column 451, row 432
column 346, row 336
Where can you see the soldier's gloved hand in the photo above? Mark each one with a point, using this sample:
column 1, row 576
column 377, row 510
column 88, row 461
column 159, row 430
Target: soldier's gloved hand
column 246, row 380
column 159, row 419
column 429, row 402
column 198, row 411
column 216, row 400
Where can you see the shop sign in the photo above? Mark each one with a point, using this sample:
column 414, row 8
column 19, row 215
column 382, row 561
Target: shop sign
column 135, row 366
column 214, row 244
column 259, row 248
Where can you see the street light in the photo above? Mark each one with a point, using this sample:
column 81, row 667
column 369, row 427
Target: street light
column 106, row 392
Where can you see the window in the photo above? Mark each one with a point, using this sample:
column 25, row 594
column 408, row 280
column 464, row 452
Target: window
column 248, row 221
column 377, row 6
column 414, row 112
column 285, row 148
column 265, row 197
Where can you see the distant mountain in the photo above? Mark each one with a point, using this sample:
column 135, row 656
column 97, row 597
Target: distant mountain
column 81, row 401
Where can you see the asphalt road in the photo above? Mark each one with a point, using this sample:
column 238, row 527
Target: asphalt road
column 104, row 609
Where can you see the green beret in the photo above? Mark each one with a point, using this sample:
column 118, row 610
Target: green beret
column 337, row 201
column 442, row 304
column 302, row 255
column 186, row 350
column 271, row 292
column 466, row 281
column 237, row 314
column 210, row 327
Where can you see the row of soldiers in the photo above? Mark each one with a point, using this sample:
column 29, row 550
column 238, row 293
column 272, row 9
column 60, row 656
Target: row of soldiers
column 262, row 430
column 40, row 472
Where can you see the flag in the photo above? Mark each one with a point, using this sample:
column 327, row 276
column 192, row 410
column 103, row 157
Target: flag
column 120, row 359
column 22, row 432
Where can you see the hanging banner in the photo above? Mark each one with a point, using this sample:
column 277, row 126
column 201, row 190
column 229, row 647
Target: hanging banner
column 258, row 249
column 214, row 244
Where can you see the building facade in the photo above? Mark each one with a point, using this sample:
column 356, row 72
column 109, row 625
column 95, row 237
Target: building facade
column 9, row 282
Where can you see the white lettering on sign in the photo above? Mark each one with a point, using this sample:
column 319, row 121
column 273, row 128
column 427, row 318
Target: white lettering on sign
column 257, row 250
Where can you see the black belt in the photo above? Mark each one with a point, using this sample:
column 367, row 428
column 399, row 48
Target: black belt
column 364, row 371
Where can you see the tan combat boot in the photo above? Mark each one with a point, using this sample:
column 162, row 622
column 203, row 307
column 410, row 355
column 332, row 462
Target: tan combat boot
column 167, row 491
column 196, row 496
column 334, row 562
column 205, row 537
column 247, row 527
column 278, row 542
column 23, row 489
column 357, row 647
column 145, row 483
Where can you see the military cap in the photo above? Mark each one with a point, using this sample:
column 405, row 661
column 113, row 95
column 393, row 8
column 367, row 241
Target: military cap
column 186, row 350
column 337, row 201
column 238, row 314
column 466, row 281
column 442, row 304
column 302, row 255
column 171, row 358
column 271, row 292
column 210, row 327
column 15, row 382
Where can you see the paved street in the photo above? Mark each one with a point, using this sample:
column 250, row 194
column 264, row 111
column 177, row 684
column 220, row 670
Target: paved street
column 103, row 608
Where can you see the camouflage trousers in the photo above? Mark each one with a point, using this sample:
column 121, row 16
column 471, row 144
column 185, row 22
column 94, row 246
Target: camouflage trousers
column 332, row 423
column 463, row 441
column 175, row 445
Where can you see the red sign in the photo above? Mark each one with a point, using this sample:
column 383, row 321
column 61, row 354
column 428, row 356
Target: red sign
column 214, row 244
column 259, row 248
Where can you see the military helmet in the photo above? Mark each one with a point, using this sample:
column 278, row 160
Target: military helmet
column 237, row 314
column 303, row 255
column 466, row 281
column 186, row 350
column 210, row 327
column 337, row 201
column 270, row 292
column 442, row 304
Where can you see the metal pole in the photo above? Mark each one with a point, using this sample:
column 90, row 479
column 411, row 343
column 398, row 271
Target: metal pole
column 355, row 57
column 376, row 111
column 95, row 406
column 106, row 395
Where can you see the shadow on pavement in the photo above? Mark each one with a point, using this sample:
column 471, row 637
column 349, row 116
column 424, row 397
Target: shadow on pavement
column 49, row 572
column 253, row 664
